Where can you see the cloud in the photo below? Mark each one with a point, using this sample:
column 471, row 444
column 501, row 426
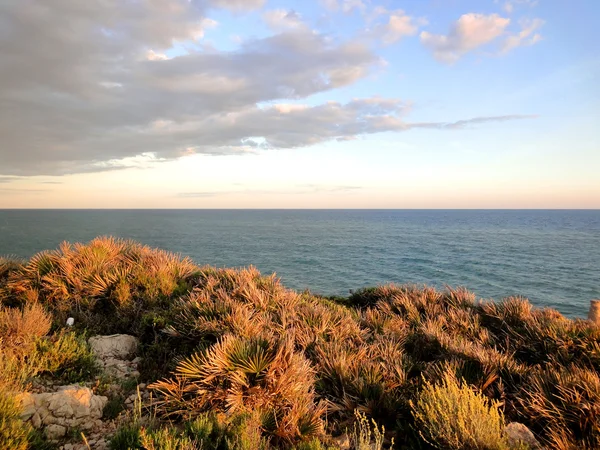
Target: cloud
column 300, row 189
column 74, row 98
column 346, row 6
column 23, row 191
column 8, row 179
column 397, row 25
column 468, row 33
column 238, row 5
column 510, row 5
column 281, row 19
column 86, row 98
column 527, row 35
column 460, row 124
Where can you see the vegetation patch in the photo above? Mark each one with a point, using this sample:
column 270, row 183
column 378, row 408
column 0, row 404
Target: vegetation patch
column 237, row 361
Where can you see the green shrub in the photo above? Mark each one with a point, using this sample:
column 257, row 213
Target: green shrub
column 314, row 444
column 207, row 431
column 244, row 433
column 166, row 439
column 14, row 434
column 451, row 415
column 127, row 437
column 67, row 356
column 114, row 407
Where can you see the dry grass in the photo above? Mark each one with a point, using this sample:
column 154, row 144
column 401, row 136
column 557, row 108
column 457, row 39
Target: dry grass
column 238, row 344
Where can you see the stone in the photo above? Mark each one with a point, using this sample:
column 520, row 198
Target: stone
column 342, row 441
column 27, row 402
column 120, row 346
column 54, row 432
column 71, row 406
column 517, row 433
column 36, row 420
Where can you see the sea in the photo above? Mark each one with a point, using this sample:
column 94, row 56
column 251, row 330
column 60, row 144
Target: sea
column 551, row 257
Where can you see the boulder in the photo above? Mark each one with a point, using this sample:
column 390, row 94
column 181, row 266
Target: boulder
column 517, row 433
column 119, row 346
column 54, row 432
column 71, row 406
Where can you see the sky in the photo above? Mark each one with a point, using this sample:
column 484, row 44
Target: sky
column 299, row 104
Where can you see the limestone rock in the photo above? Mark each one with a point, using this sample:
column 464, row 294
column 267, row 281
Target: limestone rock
column 120, row 346
column 71, row 406
column 343, row 441
column 54, row 432
column 517, row 433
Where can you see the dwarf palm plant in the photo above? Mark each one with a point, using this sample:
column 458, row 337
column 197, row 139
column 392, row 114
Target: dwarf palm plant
column 239, row 375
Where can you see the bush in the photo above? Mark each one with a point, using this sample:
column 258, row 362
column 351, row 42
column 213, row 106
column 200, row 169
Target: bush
column 566, row 402
column 127, row 437
column 14, row 434
column 451, row 415
column 67, row 356
column 367, row 436
column 248, row 361
column 257, row 375
column 108, row 277
column 166, row 439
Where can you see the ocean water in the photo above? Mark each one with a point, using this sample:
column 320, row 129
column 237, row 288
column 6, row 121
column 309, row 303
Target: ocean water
column 551, row 257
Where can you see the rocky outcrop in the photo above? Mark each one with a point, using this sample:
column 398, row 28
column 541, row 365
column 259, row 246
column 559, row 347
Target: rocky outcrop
column 57, row 412
column 517, row 433
column 114, row 354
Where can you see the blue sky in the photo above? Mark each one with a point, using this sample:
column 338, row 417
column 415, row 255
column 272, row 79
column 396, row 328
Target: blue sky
column 289, row 104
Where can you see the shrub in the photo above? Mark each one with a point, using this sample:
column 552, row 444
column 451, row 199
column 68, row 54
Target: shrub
column 244, row 433
column 367, row 436
column 20, row 328
column 127, row 437
column 240, row 375
column 451, row 415
column 108, row 277
column 166, row 439
column 206, row 430
column 14, row 434
column 65, row 355
column 565, row 400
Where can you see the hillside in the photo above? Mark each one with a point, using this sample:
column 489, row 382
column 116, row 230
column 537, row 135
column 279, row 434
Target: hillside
column 231, row 359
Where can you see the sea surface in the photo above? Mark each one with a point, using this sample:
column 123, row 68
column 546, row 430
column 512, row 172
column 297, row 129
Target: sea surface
column 551, row 257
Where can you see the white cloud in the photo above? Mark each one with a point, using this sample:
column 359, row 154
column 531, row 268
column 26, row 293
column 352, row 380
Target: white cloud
column 527, row 35
column 238, row 5
column 398, row 25
column 346, row 6
column 468, row 33
column 510, row 5
column 151, row 55
column 99, row 94
column 281, row 19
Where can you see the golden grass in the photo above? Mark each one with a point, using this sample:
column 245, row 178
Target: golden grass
column 237, row 343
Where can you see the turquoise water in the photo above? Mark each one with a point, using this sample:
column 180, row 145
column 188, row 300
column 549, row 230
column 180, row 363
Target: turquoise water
column 551, row 257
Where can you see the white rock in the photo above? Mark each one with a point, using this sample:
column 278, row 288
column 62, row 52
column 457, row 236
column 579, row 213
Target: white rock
column 120, row 346
column 517, row 433
column 70, row 406
column 54, row 432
